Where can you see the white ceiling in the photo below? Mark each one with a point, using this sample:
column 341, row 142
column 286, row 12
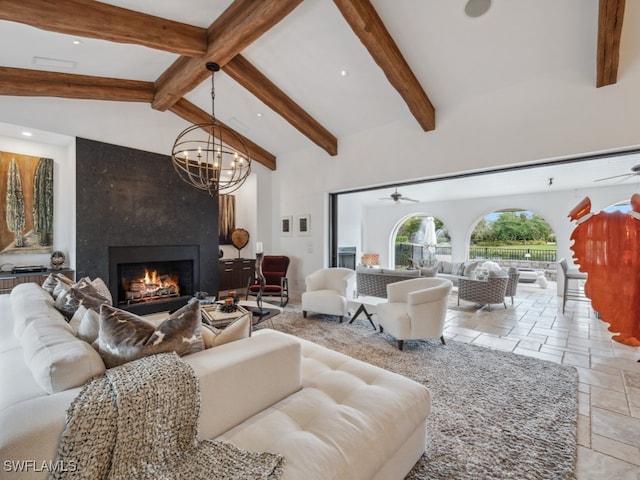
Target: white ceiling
column 456, row 59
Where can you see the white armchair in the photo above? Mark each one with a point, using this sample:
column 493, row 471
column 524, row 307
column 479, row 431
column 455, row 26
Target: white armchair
column 327, row 291
column 415, row 309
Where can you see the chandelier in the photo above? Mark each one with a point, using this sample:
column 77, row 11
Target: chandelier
column 203, row 157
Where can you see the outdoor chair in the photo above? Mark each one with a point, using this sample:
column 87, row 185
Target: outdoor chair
column 569, row 292
column 327, row 291
column 489, row 291
column 512, row 284
column 274, row 269
column 415, row 309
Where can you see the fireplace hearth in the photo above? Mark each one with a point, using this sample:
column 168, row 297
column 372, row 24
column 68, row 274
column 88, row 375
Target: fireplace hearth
column 149, row 279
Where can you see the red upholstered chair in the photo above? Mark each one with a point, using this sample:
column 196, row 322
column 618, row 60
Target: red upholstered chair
column 274, row 269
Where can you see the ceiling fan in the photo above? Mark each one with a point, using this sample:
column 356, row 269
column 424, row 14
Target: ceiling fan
column 397, row 197
column 635, row 170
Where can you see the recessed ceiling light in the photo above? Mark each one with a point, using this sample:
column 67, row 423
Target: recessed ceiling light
column 258, row 114
column 77, row 42
column 344, row 73
column 27, row 134
column 476, row 8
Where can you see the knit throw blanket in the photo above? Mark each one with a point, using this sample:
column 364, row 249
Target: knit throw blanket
column 140, row 421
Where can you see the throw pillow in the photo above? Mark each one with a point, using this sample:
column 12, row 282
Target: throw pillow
column 447, row 267
column 89, row 327
column 64, row 279
column 102, row 289
column 63, row 302
column 50, row 283
column 428, row 271
column 86, row 295
column 499, row 273
column 468, row 268
column 82, row 293
column 490, row 266
column 61, row 287
column 125, row 336
column 209, row 334
column 239, row 329
column 62, row 283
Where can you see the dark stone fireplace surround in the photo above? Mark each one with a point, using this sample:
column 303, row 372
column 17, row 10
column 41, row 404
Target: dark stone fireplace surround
column 132, row 198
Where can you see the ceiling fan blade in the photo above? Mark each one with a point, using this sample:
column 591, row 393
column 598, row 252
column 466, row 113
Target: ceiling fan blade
column 616, row 176
column 410, row 199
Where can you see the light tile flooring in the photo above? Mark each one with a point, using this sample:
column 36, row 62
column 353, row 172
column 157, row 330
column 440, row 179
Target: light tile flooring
column 609, row 372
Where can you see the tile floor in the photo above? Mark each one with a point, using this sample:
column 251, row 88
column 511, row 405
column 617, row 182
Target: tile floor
column 609, row 372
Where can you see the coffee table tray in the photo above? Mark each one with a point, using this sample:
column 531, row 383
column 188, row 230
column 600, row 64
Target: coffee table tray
column 214, row 316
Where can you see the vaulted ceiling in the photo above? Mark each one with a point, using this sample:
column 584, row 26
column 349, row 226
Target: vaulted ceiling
column 284, row 56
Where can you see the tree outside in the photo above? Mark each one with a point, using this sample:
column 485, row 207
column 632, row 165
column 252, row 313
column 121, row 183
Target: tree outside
column 410, row 230
column 512, row 228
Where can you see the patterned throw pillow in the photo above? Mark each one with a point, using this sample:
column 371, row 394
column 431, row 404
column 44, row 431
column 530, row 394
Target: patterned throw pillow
column 102, row 289
column 83, row 294
column 58, row 283
column 125, row 336
column 50, row 283
column 61, row 287
column 63, row 302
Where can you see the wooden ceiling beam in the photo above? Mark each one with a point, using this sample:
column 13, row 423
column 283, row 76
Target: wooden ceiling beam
column 610, row 17
column 240, row 24
column 36, row 83
column 368, row 26
column 243, row 72
column 91, row 19
column 195, row 115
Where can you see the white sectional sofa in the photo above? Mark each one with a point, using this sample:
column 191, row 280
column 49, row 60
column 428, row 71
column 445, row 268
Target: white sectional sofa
column 331, row 416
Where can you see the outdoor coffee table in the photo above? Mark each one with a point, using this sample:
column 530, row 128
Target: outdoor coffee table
column 366, row 305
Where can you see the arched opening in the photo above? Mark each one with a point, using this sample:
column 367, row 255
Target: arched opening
column 513, row 237
column 419, row 237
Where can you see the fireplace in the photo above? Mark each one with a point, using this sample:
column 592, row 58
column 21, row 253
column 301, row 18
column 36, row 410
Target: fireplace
column 148, row 279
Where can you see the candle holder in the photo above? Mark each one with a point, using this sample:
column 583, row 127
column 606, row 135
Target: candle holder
column 262, row 281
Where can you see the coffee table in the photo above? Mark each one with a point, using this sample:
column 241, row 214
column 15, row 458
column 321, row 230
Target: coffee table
column 258, row 317
column 366, row 305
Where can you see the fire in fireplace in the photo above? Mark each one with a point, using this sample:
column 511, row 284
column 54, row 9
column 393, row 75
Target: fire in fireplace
column 150, row 287
column 149, row 279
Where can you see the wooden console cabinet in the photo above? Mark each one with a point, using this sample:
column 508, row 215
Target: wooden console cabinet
column 9, row 280
column 233, row 274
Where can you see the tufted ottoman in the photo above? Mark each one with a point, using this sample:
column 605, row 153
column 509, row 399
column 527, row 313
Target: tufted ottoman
column 350, row 420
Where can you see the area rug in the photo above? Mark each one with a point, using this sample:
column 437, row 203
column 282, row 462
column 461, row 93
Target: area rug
column 495, row 415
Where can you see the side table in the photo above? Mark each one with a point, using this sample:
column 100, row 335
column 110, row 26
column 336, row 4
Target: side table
column 363, row 302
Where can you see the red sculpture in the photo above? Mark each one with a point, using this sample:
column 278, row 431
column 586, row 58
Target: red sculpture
column 607, row 247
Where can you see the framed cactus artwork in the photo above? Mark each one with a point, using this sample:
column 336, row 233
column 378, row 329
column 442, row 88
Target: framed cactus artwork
column 26, row 204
